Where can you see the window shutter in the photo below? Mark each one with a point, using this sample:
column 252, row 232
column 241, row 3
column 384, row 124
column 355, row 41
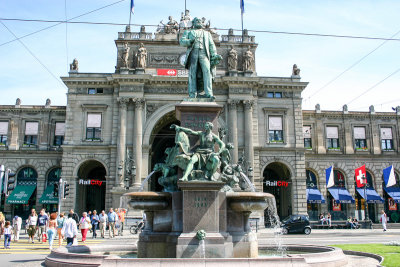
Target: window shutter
column 94, row 120
column 386, row 133
column 307, row 131
column 332, row 132
column 359, row 132
column 60, row 129
column 31, row 128
column 275, row 123
column 3, row 127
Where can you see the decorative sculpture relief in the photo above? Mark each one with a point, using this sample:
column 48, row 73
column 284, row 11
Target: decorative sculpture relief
column 141, row 56
column 125, row 56
column 248, row 60
column 232, row 59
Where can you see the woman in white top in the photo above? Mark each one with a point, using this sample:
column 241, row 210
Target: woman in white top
column 383, row 220
column 17, row 223
column 32, row 220
column 84, row 225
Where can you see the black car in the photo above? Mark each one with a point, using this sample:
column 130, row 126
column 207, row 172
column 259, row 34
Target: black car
column 296, row 224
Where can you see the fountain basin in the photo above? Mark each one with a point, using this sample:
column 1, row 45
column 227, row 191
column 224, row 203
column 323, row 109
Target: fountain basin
column 149, row 201
column 248, row 201
column 306, row 255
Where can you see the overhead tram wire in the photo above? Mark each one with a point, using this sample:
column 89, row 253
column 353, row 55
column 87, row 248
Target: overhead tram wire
column 221, row 29
column 375, row 85
column 35, row 57
column 353, row 65
column 58, row 22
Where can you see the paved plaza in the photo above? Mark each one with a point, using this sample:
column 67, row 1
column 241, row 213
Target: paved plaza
column 27, row 254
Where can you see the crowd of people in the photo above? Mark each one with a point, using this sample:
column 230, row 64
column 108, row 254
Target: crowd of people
column 46, row 226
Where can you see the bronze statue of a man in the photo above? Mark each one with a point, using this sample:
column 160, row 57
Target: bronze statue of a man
column 201, row 58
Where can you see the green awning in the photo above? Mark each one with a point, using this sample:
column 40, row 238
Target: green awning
column 48, row 196
column 21, row 194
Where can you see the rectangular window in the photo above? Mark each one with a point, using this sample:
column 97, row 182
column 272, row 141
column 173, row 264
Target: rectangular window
column 59, row 133
column 270, row 94
column 386, row 138
column 332, row 137
column 93, row 91
column 275, row 129
column 3, row 132
column 359, row 138
column 278, row 95
column 31, row 133
column 307, row 137
column 93, row 126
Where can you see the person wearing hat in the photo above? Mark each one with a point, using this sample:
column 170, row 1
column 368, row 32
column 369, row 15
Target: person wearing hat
column 16, row 223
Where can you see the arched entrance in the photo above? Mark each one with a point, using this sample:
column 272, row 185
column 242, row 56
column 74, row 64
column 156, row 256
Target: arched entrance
column 162, row 137
column 277, row 181
column 26, row 177
column 392, row 206
column 360, row 201
column 91, row 187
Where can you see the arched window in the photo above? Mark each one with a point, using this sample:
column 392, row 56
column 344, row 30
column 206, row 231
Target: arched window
column 311, row 179
column 339, row 179
column 53, row 176
column 27, row 176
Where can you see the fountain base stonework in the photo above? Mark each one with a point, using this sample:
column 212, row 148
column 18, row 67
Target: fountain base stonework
column 173, row 220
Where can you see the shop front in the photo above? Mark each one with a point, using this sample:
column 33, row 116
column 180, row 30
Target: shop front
column 339, row 198
column 314, row 196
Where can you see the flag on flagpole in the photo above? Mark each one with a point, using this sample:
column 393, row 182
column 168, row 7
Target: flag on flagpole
column 242, row 6
column 388, row 176
column 361, row 176
column 132, row 7
column 329, row 177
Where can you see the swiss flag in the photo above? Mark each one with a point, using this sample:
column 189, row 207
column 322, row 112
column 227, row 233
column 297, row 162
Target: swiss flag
column 361, row 176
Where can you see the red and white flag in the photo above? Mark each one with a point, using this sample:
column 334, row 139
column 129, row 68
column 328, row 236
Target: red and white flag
column 361, row 176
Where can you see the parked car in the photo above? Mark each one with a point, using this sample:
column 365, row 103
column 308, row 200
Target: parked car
column 296, row 224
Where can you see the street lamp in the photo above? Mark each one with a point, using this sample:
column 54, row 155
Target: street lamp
column 366, row 198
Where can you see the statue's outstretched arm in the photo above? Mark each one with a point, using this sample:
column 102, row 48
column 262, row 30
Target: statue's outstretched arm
column 185, row 130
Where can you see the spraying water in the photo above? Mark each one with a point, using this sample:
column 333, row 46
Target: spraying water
column 202, row 249
column 123, row 202
column 248, row 182
column 145, row 181
column 276, row 226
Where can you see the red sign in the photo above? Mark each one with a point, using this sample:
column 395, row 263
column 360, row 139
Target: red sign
column 392, row 204
column 336, row 206
column 166, row 72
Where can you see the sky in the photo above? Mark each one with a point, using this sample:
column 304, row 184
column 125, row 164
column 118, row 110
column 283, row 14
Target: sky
column 357, row 72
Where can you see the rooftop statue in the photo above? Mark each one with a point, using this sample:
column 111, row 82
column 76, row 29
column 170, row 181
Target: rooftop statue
column 232, row 59
column 186, row 20
column 74, row 65
column 141, row 56
column 171, row 26
column 248, row 60
column 125, row 56
column 295, row 71
column 201, row 60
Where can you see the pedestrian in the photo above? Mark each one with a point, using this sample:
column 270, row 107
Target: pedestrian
column 74, row 216
column 95, row 222
column 51, row 231
column 112, row 217
column 103, row 223
column 31, row 222
column 121, row 216
column 117, row 223
column 322, row 218
column 89, row 215
column 383, row 220
column 7, row 234
column 69, row 230
column 17, row 223
column 41, row 224
column 2, row 223
column 60, row 224
column 329, row 219
column 84, row 225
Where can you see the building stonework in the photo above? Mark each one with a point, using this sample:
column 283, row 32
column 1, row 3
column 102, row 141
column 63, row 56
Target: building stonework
column 117, row 128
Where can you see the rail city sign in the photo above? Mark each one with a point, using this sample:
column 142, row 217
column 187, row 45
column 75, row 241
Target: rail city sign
column 91, row 182
column 277, row 183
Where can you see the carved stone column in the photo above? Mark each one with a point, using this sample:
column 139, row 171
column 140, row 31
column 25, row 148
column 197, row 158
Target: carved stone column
column 233, row 134
column 248, row 133
column 137, row 140
column 123, row 102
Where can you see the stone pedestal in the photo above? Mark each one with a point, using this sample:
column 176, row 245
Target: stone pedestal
column 247, row 73
column 233, row 73
column 139, row 71
column 124, row 71
column 201, row 206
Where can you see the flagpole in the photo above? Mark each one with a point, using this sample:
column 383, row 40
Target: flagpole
column 185, row 5
column 242, row 25
column 130, row 15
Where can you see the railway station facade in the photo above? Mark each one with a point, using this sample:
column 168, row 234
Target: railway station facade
column 116, row 127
